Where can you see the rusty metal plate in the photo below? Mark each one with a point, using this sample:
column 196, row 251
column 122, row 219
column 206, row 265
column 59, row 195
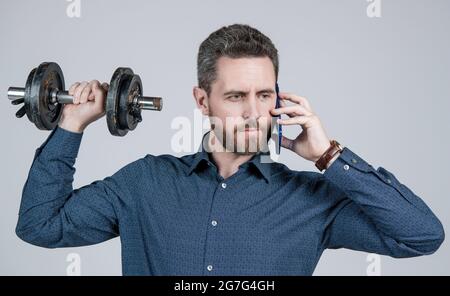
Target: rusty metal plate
column 112, row 101
column 44, row 114
column 128, row 111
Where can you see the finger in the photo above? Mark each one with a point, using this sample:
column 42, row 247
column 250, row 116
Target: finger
column 99, row 96
column 282, row 103
column 78, row 91
column 294, row 110
column 95, row 90
column 95, row 83
column 105, row 86
column 85, row 93
column 296, row 99
column 73, row 87
column 298, row 120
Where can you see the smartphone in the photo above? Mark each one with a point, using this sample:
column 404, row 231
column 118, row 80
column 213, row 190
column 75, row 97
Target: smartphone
column 278, row 126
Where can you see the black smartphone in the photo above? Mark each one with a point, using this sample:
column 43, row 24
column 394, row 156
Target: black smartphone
column 278, row 126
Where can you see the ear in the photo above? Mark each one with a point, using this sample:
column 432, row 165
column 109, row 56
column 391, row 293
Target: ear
column 201, row 99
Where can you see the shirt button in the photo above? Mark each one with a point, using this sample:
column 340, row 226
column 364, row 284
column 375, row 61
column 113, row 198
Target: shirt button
column 346, row 167
column 224, row 185
column 209, row 267
column 354, row 160
column 214, row 223
column 389, row 181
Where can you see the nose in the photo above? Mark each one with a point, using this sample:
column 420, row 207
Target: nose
column 252, row 109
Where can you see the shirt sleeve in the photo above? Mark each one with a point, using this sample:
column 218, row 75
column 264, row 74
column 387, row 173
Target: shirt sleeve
column 379, row 214
column 52, row 214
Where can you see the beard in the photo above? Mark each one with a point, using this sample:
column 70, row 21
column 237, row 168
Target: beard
column 234, row 138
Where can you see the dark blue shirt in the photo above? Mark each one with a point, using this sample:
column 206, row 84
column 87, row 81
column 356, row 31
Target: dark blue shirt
column 178, row 216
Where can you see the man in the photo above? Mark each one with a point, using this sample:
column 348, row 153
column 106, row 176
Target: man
column 225, row 211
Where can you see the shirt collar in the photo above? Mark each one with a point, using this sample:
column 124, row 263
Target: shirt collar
column 261, row 160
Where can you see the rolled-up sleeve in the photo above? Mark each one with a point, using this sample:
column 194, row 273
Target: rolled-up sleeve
column 379, row 214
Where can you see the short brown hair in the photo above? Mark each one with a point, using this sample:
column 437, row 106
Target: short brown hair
column 235, row 41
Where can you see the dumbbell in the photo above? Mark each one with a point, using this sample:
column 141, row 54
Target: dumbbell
column 44, row 98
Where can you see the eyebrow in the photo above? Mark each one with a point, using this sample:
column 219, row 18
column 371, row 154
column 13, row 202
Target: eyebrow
column 239, row 92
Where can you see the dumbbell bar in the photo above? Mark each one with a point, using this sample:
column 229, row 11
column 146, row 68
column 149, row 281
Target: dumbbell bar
column 43, row 97
column 63, row 97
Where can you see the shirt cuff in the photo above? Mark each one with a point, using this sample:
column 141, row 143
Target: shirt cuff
column 61, row 142
column 344, row 164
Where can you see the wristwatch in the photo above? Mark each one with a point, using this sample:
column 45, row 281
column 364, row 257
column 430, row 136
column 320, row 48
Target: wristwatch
column 328, row 155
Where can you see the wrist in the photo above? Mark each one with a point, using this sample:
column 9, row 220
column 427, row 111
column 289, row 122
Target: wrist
column 332, row 160
column 71, row 126
column 329, row 156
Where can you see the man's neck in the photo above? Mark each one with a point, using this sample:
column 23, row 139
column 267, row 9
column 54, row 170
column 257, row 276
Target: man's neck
column 227, row 162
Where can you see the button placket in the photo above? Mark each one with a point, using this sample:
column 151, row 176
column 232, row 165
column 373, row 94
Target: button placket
column 213, row 236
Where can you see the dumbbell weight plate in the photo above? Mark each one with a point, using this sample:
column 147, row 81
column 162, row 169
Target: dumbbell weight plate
column 112, row 101
column 44, row 114
column 131, row 87
column 28, row 93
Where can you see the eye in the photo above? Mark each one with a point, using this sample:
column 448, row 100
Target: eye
column 266, row 96
column 235, row 97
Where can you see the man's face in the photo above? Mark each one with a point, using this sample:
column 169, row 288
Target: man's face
column 239, row 103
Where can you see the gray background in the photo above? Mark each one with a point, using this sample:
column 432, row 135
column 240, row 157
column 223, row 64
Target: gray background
column 380, row 86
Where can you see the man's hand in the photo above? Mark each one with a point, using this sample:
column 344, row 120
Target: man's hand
column 313, row 141
column 88, row 105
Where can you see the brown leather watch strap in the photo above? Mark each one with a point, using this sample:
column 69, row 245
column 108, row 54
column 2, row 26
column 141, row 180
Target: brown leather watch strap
column 328, row 155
